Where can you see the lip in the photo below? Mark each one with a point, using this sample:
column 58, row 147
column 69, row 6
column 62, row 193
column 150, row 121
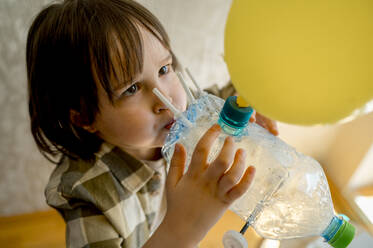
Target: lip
column 169, row 125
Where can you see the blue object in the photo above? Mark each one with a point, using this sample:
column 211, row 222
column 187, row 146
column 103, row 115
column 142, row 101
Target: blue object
column 233, row 119
column 233, row 115
column 339, row 233
column 332, row 229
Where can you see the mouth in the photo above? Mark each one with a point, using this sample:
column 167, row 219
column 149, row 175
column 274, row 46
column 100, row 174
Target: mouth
column 169, row 125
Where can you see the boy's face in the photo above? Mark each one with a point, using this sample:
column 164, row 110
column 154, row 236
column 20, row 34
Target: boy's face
column 137, row 121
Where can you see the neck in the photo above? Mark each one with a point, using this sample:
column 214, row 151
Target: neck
column 156, row 155
column 151, row 154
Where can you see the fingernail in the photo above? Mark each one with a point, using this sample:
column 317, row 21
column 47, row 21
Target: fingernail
column 177, row 147
column 243, row 153
column 272, row 130
column 216, row 127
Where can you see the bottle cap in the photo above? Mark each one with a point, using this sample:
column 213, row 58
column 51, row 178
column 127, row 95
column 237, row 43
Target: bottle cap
column 344, row 235
column 234, row 115
column 234, row 239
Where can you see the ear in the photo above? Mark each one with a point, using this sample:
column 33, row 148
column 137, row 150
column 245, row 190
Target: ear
column 77, row 119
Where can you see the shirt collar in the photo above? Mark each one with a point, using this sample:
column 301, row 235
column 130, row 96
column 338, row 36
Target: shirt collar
column 132, row 173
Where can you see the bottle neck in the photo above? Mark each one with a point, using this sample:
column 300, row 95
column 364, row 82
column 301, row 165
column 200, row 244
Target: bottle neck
column 339, row 233
column 332, row 229
column 233, row 119
column 230, row 129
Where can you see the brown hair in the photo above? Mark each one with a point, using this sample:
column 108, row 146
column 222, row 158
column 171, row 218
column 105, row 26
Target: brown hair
column 70, row 47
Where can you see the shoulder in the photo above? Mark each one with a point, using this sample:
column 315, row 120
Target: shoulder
column 67, row 175
column 112, row 178
column 116, row 188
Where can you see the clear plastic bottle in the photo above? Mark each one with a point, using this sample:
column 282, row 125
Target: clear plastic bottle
column 289, row 196
column 258, row 143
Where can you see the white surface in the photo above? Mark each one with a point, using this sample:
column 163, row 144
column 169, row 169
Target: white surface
column 363, row 176
column 234, row 239
column 269, row 243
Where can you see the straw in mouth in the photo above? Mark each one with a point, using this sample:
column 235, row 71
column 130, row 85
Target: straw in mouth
column 175, row 111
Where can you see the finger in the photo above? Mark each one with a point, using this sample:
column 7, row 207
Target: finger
column 202, row 150
column 263, row 121
column 223, row 160
column 272, row 125
column 267, row 123
column 260, row 121
column 233, row 175
column 177, row 166
column 253, row 116
column 240, row 189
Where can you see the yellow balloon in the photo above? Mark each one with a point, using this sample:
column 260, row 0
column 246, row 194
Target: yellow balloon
column 301, row 61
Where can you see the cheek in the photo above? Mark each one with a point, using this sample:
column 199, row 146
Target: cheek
column 178, row 96
column 136, row 122
column 130, row 126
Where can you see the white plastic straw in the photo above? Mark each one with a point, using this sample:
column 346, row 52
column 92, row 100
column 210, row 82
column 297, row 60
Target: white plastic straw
column 200, row 91
column 174, row 110
column 190, row 96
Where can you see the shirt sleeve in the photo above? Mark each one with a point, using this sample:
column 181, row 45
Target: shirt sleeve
column 88, row 227
column 100, row 203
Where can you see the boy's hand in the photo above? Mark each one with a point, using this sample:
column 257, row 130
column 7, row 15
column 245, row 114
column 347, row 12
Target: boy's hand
column 265, row 122
column 197, row 199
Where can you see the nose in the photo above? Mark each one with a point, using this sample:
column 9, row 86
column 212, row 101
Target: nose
column 159, row 106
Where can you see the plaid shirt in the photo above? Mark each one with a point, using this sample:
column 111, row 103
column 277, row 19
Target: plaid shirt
column 112, row 202
column 108, row 203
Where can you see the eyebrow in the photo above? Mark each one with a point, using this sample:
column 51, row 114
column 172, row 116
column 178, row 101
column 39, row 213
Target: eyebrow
column 128, row 83
column 121, row 86
column 169, row 56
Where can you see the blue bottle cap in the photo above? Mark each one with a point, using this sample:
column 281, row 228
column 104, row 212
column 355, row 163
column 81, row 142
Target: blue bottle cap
column 234, row 115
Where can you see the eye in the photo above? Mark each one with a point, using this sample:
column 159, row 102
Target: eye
column 131, row 90
column 164, row 70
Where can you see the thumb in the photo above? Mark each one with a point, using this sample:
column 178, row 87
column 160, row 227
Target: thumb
column 253, row 116
column 177, row 166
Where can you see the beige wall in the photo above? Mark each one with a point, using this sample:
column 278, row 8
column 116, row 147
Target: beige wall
column 349, row 148
column 341, row 149
column 23, row 173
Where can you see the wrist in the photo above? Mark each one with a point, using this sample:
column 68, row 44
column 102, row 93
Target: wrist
column 177, row 234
